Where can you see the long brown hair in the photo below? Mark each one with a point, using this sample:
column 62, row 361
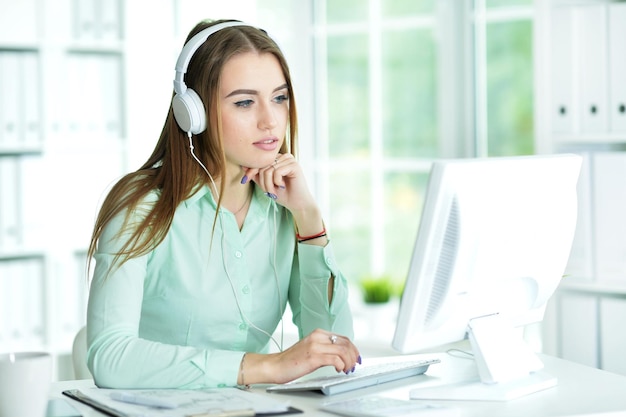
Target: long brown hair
column 171, row 170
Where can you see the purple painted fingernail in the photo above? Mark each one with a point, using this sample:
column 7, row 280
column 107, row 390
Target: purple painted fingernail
column 358, row 360
column 353, row 369
column 244, row 179
column 272, row 196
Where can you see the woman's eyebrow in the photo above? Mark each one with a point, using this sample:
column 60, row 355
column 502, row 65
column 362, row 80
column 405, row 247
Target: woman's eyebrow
column 282, row 87
column 254, row 92
column 242, row 91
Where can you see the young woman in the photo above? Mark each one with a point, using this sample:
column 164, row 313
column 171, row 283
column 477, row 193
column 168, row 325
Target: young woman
column 198, row 251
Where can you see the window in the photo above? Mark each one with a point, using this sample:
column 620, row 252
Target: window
column 504, row 77
column 396, row 84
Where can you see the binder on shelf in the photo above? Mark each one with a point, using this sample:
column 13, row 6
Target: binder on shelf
column 609, row 216
column 112, row 103
column 94, row 96
column 9, row 112
column 617, row 63
column 33, row 214
column 76, row 104
column 19, row 102
column 97, row 20
column 92, row 85
column 17, row 303
column 110, row 20
column 85, row 13
column 30, row 103
column 32, row 274
column 562, row 47
column 578, row 328
column 83, row 87
column 22, row 286
column 612, row 341
column 590, row 26
column 5, row 306
column 72, row 286
column 10, row 214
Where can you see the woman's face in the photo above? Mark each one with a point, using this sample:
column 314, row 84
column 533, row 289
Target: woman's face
column 254, row 101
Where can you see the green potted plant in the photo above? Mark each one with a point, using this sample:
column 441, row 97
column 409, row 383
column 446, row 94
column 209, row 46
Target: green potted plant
column 377, row 289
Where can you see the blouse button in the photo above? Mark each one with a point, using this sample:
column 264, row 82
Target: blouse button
column 243, row 326
column 238, row 254
column 245, row 289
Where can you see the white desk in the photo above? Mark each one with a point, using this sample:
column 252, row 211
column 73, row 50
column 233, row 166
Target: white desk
column 581, row 391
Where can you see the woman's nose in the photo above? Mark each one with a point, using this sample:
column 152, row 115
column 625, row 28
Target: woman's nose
column 267, row 118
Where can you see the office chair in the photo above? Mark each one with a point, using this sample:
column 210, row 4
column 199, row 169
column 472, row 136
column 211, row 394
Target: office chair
column 79, row 355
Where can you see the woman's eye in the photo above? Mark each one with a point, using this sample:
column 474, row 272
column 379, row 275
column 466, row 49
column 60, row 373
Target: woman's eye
column 244, row 103
column 281, row 98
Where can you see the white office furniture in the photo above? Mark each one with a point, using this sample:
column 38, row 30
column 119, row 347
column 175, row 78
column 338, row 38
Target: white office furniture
column 583, row 69
column 586, row 71
column 78, row 81
column 62, row 132
column 581, row 391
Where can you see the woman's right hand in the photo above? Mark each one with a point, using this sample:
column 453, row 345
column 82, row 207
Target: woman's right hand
column 318, row 349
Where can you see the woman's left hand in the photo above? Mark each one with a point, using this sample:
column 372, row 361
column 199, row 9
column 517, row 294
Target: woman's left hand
column 284, row 181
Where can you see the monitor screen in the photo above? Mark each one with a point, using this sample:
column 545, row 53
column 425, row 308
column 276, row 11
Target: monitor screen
column 492, row 245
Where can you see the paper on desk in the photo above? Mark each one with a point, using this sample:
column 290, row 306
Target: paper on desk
column 191, row 401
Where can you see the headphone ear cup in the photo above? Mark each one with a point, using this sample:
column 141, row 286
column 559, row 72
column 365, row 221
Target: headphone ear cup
column 189, row 112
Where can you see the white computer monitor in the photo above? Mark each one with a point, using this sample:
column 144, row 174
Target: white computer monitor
column 492, row 246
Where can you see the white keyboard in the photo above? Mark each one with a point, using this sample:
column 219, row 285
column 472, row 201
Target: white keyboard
column 387, row 407
column 364, row 376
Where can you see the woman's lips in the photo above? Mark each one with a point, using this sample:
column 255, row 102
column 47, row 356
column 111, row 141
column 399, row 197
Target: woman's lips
column 268, row 144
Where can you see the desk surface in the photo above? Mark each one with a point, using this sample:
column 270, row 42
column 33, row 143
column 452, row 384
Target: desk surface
column 581, row 391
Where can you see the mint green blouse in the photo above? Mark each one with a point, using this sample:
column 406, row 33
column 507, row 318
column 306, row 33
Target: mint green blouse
column 183, row 315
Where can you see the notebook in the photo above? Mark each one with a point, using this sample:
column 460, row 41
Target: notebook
column 364, row 376
column 183, row 402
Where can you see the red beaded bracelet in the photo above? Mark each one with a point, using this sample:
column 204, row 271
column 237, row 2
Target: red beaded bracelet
column 306, row 238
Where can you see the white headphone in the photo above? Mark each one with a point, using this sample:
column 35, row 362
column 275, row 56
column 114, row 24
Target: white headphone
column 190, row 116
column 186, row 104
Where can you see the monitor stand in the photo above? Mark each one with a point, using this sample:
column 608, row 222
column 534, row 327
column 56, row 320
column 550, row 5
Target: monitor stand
column 506, row 365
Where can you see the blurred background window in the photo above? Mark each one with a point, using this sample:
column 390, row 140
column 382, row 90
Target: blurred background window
column 387, row 99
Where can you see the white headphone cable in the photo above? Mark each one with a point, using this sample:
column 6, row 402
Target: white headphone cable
column 243, row 315
column 232, row 286
column 202, row 165
column 280, row 297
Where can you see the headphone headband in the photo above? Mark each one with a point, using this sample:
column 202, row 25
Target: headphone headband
column 191, row 47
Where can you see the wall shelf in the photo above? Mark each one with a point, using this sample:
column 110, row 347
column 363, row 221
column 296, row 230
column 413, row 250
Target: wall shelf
column 584, row 67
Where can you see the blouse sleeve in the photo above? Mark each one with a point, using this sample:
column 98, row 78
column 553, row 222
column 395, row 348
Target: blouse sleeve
column 117, row 357
column 308, row 294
